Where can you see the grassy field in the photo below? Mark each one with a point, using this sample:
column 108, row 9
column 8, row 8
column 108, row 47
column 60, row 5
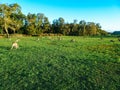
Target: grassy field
column 54, row 63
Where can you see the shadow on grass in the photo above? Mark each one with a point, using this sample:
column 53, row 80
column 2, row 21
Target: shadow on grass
column 4, row 48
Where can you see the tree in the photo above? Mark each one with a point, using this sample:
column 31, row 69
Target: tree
column 82, row 27
column 39, row 23
column 5, row 13
column 13, row 21
column 55, row 26
column 98, row 27
column 99, row 30
column 61, row 23
column 66, row 29
column 18, row 21
column 1, row 23
column 31, row 24
column 46, row 24
column 91, row 28
column 75, row 27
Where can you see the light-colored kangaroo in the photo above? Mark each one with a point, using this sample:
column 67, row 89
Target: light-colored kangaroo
column 15, row 44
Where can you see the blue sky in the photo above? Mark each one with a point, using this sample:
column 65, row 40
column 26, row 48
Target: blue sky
column 105, row 12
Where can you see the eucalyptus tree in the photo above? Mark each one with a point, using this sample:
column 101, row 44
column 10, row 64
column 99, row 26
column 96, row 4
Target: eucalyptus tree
column 71, row 28
column 5, row 14
column 66, row 29
column 82, row 27
column 46, row 25
column 98, row 27
column 75, row 27
column 31, row 23
column 99, row 30
column 1, row 29
column 19, row 20
column 58, row 25
column 39, row 23
column 91, row 28
column 16, row 16
column 61, row 23
column 55, row 26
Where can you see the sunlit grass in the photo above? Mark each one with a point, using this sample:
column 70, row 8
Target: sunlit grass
column 48, row 63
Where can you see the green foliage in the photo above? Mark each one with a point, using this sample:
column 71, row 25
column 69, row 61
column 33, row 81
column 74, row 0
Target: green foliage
column 52, row 64
column 13, row 21
column 10, row 16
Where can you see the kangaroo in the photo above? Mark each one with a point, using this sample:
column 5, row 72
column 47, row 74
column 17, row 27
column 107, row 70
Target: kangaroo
column 15, row 44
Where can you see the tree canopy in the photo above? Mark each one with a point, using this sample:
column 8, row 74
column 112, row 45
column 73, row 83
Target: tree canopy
column 12, row 20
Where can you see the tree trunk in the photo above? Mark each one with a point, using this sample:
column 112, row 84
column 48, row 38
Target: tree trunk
column 84, row 31
column 6, row 31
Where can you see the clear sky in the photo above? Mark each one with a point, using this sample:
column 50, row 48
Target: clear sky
column 105, row 12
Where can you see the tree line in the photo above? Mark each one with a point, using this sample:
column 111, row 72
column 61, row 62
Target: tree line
column 12, row 20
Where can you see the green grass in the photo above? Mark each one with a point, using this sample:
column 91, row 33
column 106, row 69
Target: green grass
column 52, row 64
